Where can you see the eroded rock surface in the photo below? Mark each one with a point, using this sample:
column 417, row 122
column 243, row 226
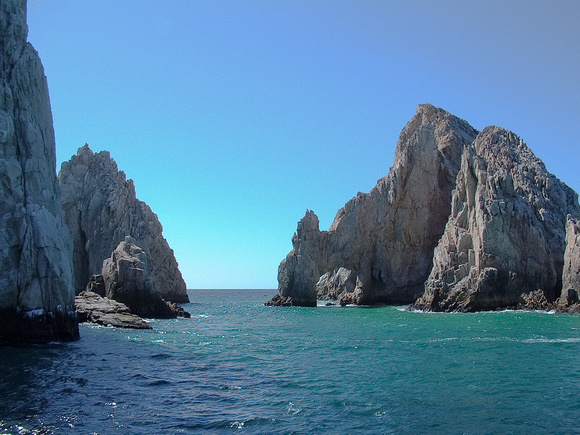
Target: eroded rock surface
column 464, row 221
column 94, row 308
column 386, row 237
column 36, row 271
column 101, row 208
column 506, row 233
column 126, row 280
column 569, row 300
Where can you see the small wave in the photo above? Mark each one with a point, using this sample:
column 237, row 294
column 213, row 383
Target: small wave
column 158, row 383
column 161, row 356
column 552, row 340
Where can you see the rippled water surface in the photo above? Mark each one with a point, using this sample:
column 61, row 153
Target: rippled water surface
column 239, row 367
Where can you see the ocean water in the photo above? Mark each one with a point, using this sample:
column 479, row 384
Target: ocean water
column 239, row 367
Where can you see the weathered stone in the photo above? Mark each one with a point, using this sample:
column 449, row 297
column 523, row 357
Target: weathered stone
column 36, row 272
column 101, row 208
column 506, row 232
column 279, row 301
column 535, row 300
column 332, row 285
column 571, row 271
column 126, row 280
column 94, row 308
column 386, row 238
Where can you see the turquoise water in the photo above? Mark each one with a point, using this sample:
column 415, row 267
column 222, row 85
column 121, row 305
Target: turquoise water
column 239, row 367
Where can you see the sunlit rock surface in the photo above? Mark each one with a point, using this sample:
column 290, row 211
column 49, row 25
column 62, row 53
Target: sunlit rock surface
column 507, row 231
column 386, row 237
column 101, row 208
column 36, row 270
column 464, row 221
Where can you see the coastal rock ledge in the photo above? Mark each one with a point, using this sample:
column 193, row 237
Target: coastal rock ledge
column 464, row 221
column 36, row 270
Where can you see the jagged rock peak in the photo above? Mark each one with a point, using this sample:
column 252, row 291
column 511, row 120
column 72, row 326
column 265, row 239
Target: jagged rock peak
column 36, row 274
column 386, row 237
column 101, row 208
column 506, row 233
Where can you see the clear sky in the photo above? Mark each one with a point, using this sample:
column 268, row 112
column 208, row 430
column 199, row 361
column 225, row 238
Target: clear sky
column 234, row 117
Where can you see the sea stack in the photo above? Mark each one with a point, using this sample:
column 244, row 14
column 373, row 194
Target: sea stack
column 36, row 278
column 464, row 221
column 101, row 209
column 386, row 238
column 506, row 234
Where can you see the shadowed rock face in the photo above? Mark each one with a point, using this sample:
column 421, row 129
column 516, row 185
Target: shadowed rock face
column 36, row 272
column 101, row 208
column 386, row 238
column 507, row 231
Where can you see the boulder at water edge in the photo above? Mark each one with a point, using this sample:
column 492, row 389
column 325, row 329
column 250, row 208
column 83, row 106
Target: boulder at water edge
column 126, row 280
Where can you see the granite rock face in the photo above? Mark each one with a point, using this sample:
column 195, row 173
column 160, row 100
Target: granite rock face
column 571, row 271
column 36, row 271
column 126, row 280
column 507, row 231
column 101, row 208
column 464, row 221
column 336, row 284
column 386, row 237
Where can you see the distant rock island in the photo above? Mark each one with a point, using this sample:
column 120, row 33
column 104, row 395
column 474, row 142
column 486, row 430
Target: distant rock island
column 464, row 221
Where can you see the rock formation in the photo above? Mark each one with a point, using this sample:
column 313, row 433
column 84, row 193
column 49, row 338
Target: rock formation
column 126, row 279
column 36, row 271
column 464, row 220
column 101, row 208
column 336, row 284
column 94, row 308
column 571, row 271
column 386, row 238
column 506, row 233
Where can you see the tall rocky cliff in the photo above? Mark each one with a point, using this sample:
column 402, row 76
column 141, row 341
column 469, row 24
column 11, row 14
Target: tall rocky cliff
column 464, row 220
column 101, row 209
column 36, row 271
column 386, row 237
column 507, row 230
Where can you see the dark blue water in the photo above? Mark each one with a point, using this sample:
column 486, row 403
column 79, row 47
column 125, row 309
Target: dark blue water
column 239, row 367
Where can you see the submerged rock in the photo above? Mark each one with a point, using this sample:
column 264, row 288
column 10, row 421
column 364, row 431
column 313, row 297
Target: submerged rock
column 126, row 279
column 101, row 208
column 36, row 271
column 94, row 308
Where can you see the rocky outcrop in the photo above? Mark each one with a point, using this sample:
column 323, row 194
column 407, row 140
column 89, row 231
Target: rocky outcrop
column 94, row 308
column 506, row 232
column 101, row 208
column 36, row 272
column 464, row 221
column 126, row 280
column 336, row 284
column 386, row 237
column 571, row 272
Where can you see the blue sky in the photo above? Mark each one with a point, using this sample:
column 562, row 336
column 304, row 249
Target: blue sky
column 234, row 117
